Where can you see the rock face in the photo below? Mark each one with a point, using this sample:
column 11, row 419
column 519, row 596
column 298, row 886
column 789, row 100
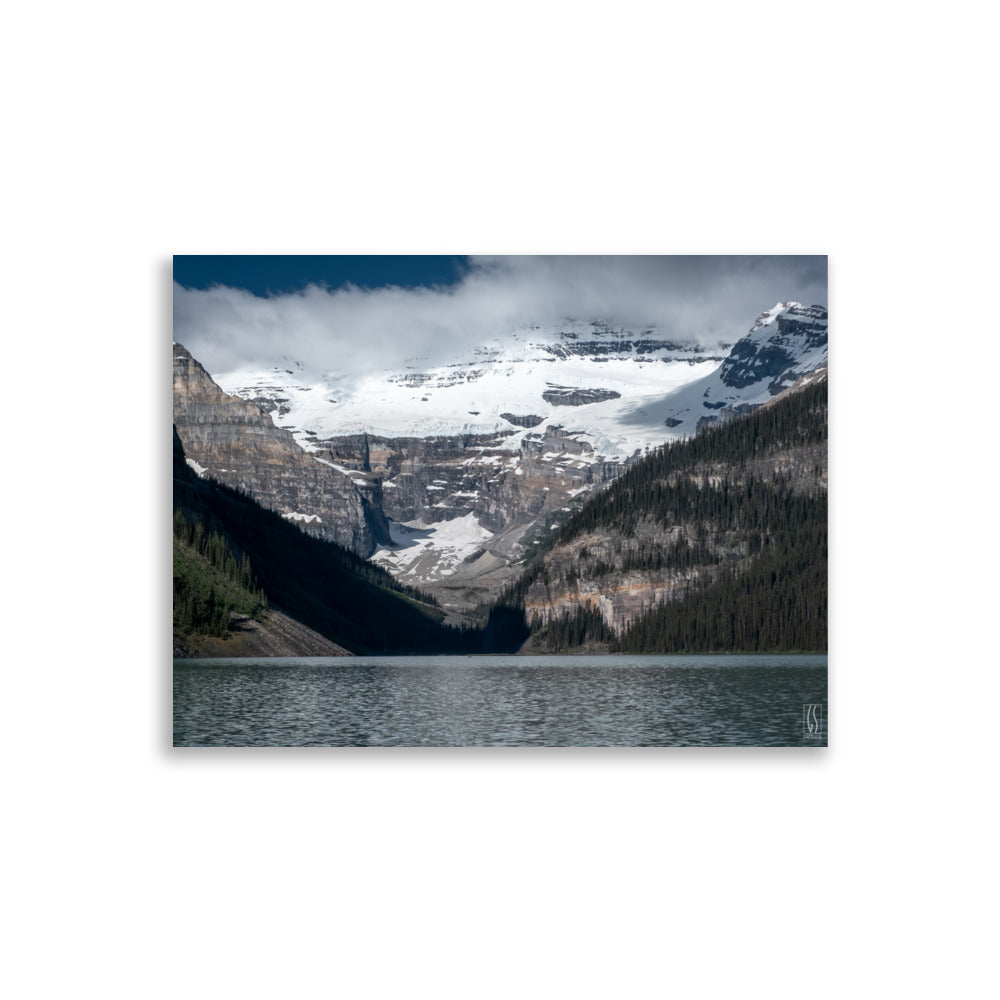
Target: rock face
column 464, row 508
column 773, row 348
column 524, row 419
column 561, row 395
column 600, row 341
column 785, row 344
column 231, row 440
column 620, row 597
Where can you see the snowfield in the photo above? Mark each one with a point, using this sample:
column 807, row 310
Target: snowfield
column 470, row 394
column 432, row 551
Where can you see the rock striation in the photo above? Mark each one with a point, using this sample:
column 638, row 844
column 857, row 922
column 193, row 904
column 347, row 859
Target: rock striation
column 773, row 349
column 561, row 395
column 786, row 343
column 234, row 441
column 503, row 497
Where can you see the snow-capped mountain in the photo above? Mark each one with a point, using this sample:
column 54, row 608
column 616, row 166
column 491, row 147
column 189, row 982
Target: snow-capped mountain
column 785, row 344
column 617, row 391
column 586, row 375
column 477, row 455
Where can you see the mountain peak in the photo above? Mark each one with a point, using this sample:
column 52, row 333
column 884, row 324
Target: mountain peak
column 768, row 316
column 785, row 342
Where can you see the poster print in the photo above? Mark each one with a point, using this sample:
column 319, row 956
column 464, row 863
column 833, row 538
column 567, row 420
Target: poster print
column 500, row 501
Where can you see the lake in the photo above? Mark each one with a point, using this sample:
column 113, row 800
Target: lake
column 464, row 701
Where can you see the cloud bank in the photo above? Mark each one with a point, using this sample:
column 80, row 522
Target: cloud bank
column 353, row 330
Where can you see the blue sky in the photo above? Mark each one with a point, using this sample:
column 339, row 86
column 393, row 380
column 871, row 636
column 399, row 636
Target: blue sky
column 276, row 274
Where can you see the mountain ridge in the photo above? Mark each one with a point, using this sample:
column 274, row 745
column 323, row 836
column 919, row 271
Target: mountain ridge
column 234, row 442
column 322, row 586
column 449, row 475
column 660, row 561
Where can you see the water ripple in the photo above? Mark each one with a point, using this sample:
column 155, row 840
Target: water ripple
column 499, row 701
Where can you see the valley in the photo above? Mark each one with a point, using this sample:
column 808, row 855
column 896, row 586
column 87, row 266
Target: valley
column 459, row 471
column 468, row 480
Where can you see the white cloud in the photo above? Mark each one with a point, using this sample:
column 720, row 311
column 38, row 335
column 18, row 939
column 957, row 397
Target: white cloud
column 352, row 329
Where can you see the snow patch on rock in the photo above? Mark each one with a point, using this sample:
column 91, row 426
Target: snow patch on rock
column 432, row 551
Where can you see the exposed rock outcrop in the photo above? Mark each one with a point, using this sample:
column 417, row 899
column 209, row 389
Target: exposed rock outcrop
column 231, row 440
column 503, row 497
column 619, row 596
column 523, row 420
column 567, row 396
column 773, row 350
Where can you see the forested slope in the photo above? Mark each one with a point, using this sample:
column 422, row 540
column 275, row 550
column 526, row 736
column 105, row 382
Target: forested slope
column 261, row 559
column 716, row 543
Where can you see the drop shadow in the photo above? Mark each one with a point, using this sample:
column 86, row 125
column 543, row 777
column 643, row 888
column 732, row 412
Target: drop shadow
column 161, row 391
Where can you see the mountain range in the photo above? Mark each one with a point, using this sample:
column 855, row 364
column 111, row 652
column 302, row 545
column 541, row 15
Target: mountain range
column 454, row 477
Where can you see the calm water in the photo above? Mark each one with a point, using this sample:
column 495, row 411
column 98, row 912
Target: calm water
column 501, row 701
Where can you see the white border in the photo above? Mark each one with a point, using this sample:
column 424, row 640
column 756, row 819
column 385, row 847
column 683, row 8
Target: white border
column 135, row 870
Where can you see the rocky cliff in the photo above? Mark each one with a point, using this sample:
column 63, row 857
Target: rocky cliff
column 234, row 442
column 785, row 344
column 774, row 349
column 464, row 509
